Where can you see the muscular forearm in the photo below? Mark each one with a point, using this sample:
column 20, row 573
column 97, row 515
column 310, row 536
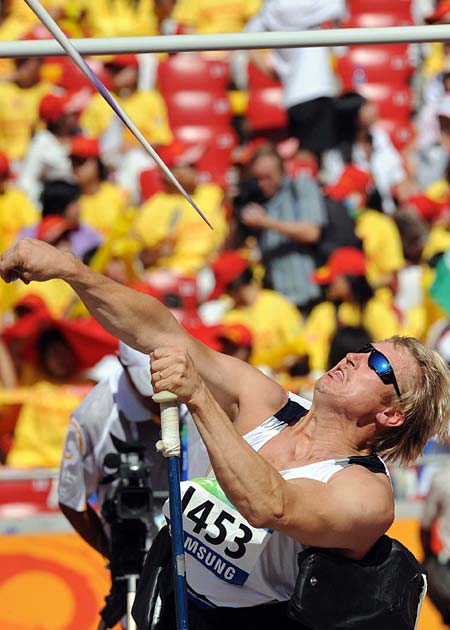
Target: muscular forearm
column 300, row 231
column 136, row 318
column 250, row 483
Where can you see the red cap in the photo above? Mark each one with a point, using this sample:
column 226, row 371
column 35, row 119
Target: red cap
column 427, row 208
column 84, row 147
column 345, row 261
column 439, row 12
column 238, row 334
column 53, row 106
column 179, row 154
column 300, row 167
column 228, row 266
column 52, row 228
column 352, row 180
column 4, row 164
column 123, row 61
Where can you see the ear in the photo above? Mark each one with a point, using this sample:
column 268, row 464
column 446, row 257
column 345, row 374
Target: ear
column 390, row 417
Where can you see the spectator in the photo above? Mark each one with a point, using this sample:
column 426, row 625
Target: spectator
column 274, row 322
column 146, row 108
column 361, row 142
column 432, row 159
column 288, row 216
column 19, row 107
column 435, row 539
column 102, row 203
column 378, row 232
column 47, row 155
column 350, row 301
column 306, row 74
column 16, row 209
column 62, row 198
column 173, row 235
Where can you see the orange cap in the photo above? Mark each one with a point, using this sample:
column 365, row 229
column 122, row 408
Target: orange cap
column 123, row 61
column 4, row 164
column 84, row 147
column 228, row 266
column 52, row 228
column 237, row 333
column 345, row 261
column 352, row 180
column 439, row 12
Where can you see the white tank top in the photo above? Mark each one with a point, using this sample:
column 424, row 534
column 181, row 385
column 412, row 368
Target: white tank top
column 228, row 562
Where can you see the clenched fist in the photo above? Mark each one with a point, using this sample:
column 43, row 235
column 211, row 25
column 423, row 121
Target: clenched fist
column 31, row 259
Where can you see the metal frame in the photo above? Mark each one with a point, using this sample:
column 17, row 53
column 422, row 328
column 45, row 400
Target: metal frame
column 232, row 41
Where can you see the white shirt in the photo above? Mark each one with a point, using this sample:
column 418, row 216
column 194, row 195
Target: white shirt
column 305, row 73
column 47, row 159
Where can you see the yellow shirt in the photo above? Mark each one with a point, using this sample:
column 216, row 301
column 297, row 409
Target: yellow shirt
column 382, row 245
column 438, row 241
column 104, row 208
column 215, row 16
column 42, row 424
column 16, row 212
column 378, row 318
column 57, row 294
column 169, row 214
column 119, row 18
column 146, row 109
column 19, row 116
column 276, row 325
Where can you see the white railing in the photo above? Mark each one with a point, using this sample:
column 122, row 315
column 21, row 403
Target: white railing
column 231, row 41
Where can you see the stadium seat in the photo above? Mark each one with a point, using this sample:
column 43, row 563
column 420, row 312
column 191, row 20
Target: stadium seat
column 197, row 108
column 192, row 72
column 219, row 143
column 257, row 79
column 373, row 64
column 401, row 8
column 265, row 109
column 394, row 102
column 377, row 19
column 150, row 183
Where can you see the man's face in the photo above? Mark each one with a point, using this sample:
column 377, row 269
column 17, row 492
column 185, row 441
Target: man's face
column 268, row 175
column 356, row 390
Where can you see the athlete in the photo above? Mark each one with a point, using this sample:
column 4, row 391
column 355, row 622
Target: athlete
column 283, row 476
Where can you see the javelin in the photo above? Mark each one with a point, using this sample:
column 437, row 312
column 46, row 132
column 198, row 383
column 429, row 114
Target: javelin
column 61, row 38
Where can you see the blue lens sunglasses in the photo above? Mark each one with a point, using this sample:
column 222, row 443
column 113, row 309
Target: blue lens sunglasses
column 381, row 366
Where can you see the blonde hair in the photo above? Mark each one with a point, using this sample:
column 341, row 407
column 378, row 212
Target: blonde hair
column 425, row 402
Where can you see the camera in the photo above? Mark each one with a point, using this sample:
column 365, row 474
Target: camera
column 131, row 497
column 128, row 509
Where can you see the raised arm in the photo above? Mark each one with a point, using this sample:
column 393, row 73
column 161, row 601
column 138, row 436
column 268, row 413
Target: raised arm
column 145, row 324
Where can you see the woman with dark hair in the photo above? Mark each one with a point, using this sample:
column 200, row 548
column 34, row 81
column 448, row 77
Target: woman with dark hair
column 361, row 142
column 102, row 202
column 350, row 301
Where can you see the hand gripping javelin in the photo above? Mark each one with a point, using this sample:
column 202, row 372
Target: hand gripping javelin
column 65, row 43
column 170, row 447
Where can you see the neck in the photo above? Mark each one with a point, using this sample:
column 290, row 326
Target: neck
column 326, row 435
column 90, row 188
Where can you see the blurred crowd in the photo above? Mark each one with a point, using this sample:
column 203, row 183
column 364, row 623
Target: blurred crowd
column 324, row 172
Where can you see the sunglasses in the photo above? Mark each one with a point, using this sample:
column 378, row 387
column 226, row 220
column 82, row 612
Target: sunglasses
column 381, row 366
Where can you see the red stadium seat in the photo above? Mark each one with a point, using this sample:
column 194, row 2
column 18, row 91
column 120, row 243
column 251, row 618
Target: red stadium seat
column 198, row 108
column 394, row 102
column 373, row 64
column 257, row 79
column 190, row 71
column 377, row 19
column 265, row 109
column 219, row 143
column 401, row 134
column 150, row 182
column 401, row 8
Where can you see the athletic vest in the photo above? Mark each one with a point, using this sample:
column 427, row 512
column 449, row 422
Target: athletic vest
column 229, row 562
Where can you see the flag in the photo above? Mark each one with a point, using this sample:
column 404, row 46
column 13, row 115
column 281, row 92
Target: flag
column 440, row 289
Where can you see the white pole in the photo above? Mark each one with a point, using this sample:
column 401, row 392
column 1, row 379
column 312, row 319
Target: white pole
column 231, row 41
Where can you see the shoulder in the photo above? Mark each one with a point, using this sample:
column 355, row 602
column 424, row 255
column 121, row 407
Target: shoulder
column 99, row 402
